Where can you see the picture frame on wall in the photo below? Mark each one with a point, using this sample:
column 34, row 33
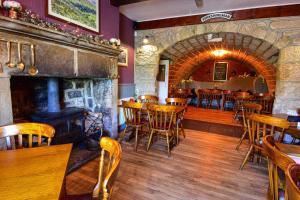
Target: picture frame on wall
column 220, row 71
column 123, row 57
column 84, row 13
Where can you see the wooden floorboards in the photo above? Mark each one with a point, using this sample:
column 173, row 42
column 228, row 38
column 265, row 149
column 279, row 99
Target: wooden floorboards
column 204, row 166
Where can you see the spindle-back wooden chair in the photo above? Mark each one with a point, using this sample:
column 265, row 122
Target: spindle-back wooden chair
column 180, row 117
column 111, row 154
column 26, row 134
column 260, row 126
column 148, row 99
column 247, row 110
column 276, row 159
column 133, row 118
column 161, row 123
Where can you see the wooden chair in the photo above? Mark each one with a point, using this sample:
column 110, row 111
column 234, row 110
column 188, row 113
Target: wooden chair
column 267, row 104
column 31, row 131
column 181, row 93
column 228, row 98
column 215, row 95
column 109, row 164
column 161, row 122
column 148, row 99
column 247, row 110
column 179, row 122
column 204, row 95
column 260, row 126
column 276, row 159
column 133, row 118
column 240, row 99
column 293, row 182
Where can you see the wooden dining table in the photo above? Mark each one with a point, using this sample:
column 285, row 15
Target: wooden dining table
column 293, row 151
column 34, row 173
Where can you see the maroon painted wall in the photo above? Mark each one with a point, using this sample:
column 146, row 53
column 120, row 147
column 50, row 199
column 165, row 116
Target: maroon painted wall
column 127, row 39
column 205, row 72
column 109, row 16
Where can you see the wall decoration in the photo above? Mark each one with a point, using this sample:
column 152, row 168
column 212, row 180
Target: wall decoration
column 216, row 15
column 84, row 13
column 123, row 57
column 220, row 71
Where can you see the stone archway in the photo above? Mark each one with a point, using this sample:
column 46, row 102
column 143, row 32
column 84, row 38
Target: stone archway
column 282, row 33
column 191, row 52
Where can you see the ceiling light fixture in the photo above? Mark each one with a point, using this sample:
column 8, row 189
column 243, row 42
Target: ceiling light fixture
column 219, row 52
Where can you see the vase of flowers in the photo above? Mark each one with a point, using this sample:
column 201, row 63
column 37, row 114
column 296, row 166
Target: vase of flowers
column 115, row 43
column 13, row 8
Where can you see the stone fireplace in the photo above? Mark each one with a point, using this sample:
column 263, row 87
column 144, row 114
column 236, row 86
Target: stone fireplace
column 81, row 73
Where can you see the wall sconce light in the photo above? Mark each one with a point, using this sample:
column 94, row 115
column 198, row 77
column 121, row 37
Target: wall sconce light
column 146, row 40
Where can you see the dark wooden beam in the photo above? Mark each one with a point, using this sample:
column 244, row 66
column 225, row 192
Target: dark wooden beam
column 276, row 11
column 118, row 3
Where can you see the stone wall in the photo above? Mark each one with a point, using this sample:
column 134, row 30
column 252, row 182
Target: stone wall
column 94, row 95
column 282, row 33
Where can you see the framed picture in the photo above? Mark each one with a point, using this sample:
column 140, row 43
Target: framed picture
column 220, row 71
column 84, row 13
column 123, row 57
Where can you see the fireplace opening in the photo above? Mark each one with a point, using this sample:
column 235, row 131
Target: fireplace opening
column 71, row 106
column 30, row 96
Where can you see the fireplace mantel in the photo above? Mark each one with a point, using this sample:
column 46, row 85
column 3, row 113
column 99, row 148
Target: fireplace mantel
column 21, row 28
column 58, row 54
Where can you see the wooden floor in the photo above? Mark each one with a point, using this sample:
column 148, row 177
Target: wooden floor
column 211, row 115
column 202, row 167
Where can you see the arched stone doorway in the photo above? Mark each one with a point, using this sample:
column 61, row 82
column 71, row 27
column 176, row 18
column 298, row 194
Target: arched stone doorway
column 282, row 33
column 188, row 54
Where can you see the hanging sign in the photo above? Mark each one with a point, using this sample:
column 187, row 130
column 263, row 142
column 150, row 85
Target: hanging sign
column 216, row 15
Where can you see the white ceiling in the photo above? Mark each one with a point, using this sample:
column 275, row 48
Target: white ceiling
column 161, row 9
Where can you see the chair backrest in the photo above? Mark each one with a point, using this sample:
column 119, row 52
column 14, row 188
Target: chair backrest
column 262, row 125
column 267, row 103
column 293, row 182
column 111, row 154
column 248, row 109
column 148, row 99
column 181, row 93
column 276, row 159
column 31, row 130
column 216, row 94
column 176, row 101
column 161, row 116
column 132, row 112
column 228, row 95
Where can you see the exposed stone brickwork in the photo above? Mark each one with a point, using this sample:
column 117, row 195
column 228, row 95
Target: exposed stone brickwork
column 91, row 94
column 272, row 43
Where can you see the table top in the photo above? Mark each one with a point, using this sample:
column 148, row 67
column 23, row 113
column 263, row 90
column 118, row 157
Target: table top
column 33, row 173
column 293, row 151
column 288, row 148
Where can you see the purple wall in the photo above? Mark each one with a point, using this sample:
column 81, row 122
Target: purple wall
column 127, row 39
column 109, row 19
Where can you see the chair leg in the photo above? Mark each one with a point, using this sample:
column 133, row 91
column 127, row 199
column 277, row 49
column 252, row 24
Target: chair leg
column 168, row 144
column 177, row 133
column 122, row 136
column 136, row 138
column 150, row 139
column 182, row 130
column 241, row 140
column 246, row 157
